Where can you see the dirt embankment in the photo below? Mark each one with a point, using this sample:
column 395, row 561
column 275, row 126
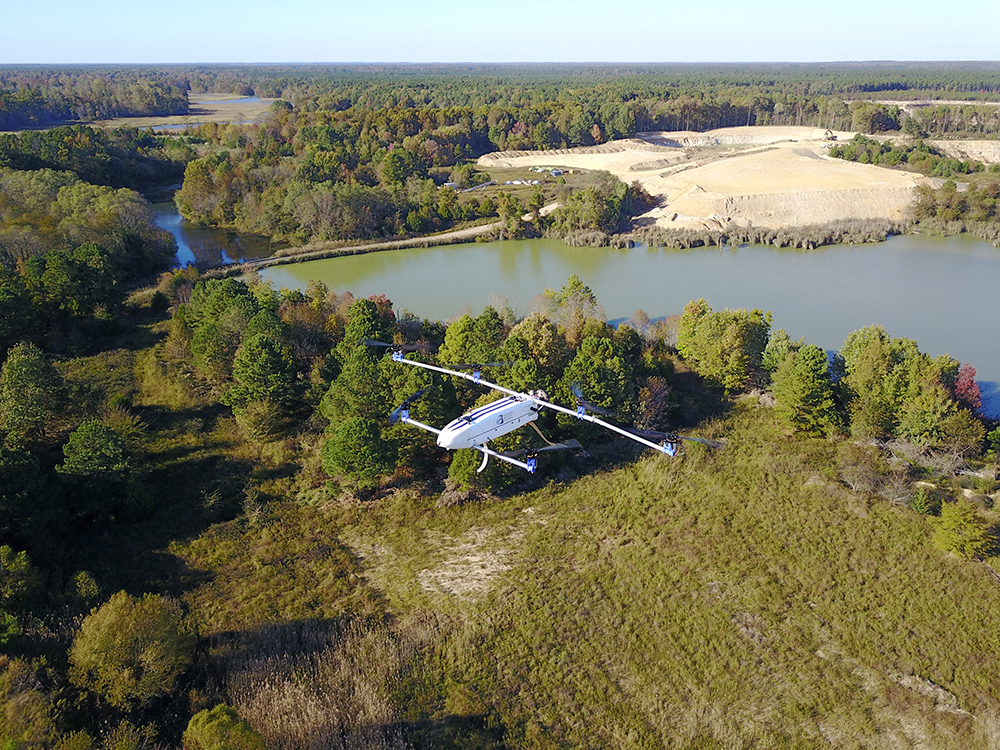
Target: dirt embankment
column 778, row 177
column 987, row 152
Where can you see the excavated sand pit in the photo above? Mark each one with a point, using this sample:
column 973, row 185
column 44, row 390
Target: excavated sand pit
column 775, row 177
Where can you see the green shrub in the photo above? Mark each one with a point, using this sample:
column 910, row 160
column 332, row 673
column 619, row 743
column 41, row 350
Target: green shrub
column 962, row 531
column 220, row 728
column 130, row 650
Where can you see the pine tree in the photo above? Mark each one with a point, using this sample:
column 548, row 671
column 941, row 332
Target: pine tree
column 803, row 391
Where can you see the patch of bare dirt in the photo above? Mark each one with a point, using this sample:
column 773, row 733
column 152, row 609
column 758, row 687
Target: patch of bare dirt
column 469, row 565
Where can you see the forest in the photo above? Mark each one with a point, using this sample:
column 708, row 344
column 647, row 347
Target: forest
column 358, row 153
column 33, row 96
column 213, row 536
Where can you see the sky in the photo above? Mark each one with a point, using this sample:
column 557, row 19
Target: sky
column 221, row 31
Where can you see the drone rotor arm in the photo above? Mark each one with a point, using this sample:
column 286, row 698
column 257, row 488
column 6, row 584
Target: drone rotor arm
column 663, row 447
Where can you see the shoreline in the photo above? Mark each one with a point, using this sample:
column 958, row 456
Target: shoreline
column 804, row 237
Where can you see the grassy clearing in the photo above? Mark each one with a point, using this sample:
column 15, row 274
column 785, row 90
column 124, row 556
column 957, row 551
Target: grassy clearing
column 738, row 599
column 549, row 185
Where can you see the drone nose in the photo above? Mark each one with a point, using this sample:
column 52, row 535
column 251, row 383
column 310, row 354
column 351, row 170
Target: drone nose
column 448, row 439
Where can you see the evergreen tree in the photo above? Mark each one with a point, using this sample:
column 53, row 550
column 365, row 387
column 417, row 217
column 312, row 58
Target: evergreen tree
column 803, row 391
column 29, row 394
column 221, row 728
column 725, row 347
column 18, row 320
column 962, row 531
column 357, row 450
column 604, row 375
column 263, row 371
column 779, row 346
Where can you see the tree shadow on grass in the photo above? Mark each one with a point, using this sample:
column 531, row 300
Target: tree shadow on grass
column 697, row 401
column 186, row 483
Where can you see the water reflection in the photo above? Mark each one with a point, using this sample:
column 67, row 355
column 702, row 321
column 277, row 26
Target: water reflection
column 205, row 247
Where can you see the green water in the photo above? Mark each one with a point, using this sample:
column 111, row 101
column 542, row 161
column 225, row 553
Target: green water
column 938, row 291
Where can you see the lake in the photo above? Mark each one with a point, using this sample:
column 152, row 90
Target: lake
column 938, row 291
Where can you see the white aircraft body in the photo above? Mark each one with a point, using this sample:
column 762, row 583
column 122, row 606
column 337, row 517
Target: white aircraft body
column 480, row 425
column 485, row 423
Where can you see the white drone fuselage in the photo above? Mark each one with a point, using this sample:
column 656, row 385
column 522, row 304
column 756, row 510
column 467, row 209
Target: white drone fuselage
column 477, row 427
column 489, row 422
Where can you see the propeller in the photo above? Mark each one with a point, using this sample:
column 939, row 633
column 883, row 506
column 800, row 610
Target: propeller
column 671, row 437
column 398, row 347
column 396, row 413
column 567, row 445
column 587, row 405
column 472, row 366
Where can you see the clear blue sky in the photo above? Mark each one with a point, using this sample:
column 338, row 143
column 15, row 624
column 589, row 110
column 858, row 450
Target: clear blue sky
column 178, row 31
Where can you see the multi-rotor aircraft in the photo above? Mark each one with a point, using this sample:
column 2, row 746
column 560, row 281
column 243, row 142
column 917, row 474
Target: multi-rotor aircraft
column 477, row 427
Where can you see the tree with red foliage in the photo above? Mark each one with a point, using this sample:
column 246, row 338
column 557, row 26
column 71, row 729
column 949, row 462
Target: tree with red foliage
column 967, row 390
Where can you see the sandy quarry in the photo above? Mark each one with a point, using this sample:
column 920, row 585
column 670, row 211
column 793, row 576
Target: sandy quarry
column 760, row 176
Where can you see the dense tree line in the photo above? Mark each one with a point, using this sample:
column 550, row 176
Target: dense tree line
column 916, row 156
column 44, row 212
column 707, row 95
column 975, row 210
column 618, row 99
column 954, row 121
column 274, row 357
column 69, row 253
column 33, row 96
column 876, row 387
column 124, row 157
column 249, row 342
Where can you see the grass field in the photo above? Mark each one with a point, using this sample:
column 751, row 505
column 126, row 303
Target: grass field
column 740, row 598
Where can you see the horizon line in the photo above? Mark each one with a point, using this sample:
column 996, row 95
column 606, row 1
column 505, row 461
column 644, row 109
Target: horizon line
column 509, row 62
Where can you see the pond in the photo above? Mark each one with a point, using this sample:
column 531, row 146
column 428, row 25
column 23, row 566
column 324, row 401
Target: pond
column 938, row 291
column 205, row 246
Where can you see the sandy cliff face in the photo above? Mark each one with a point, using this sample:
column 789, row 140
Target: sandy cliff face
column 793, row 209
column 987, row 152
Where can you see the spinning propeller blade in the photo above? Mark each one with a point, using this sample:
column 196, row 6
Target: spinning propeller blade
column 396, row 413
column 587, row 405
column 472, row 366
column 671, row 437
column 397, row 347
column 571, row 445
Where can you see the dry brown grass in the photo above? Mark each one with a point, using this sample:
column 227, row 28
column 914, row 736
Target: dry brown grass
column 317, row 685
column 204, row 108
